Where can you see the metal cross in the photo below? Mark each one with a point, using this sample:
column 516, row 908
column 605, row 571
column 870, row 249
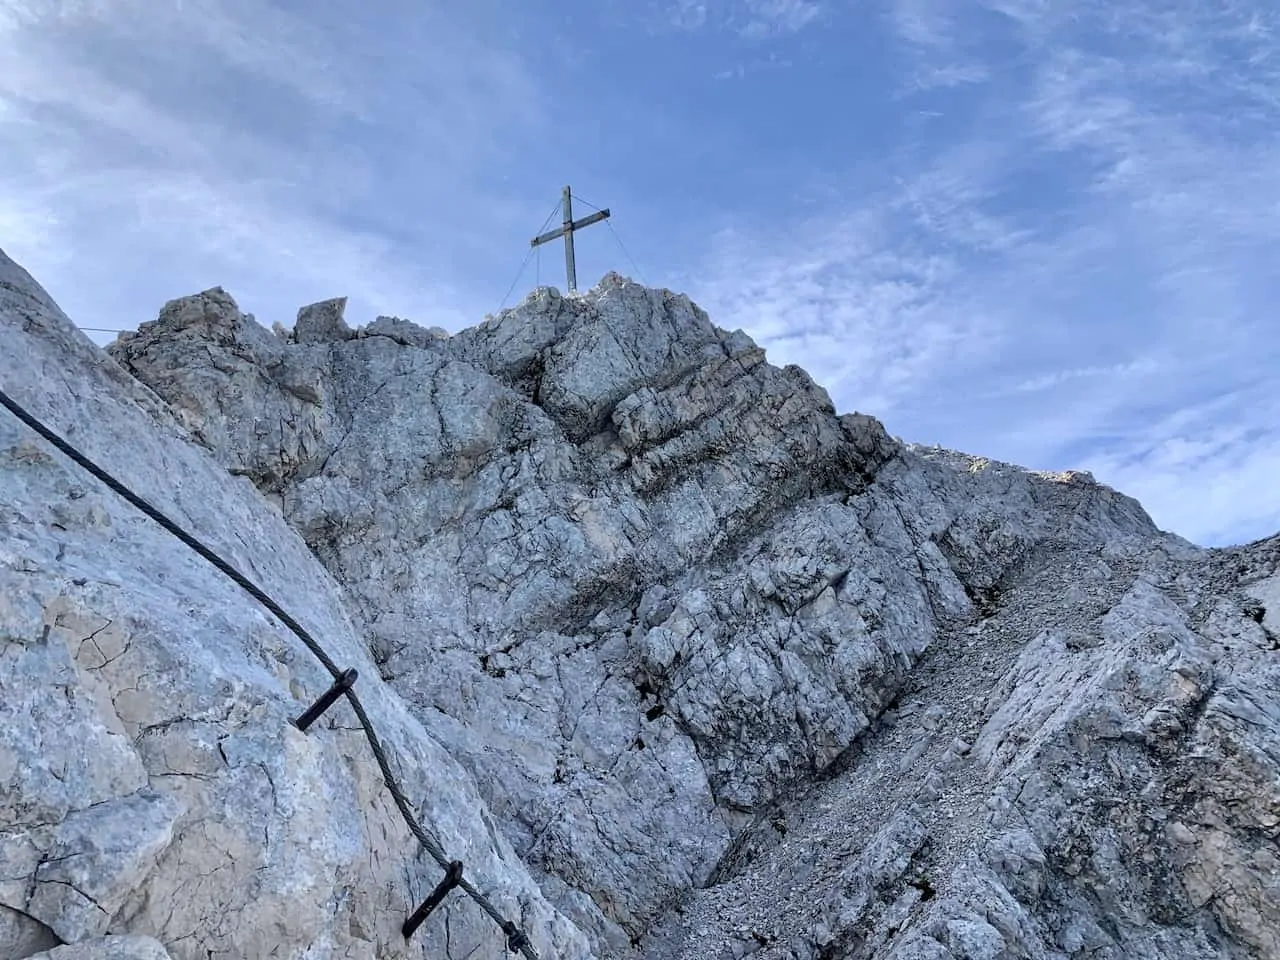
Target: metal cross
column 566, row 230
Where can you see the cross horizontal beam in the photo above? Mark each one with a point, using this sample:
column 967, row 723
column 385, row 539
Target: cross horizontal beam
column 560, row 231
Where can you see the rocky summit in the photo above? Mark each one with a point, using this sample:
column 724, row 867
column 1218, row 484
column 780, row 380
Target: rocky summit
column 676, row 659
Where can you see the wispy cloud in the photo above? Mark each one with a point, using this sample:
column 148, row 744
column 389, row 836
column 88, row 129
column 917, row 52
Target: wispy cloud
column 1056, row 378
column 1083, row 278
column 754, row 66
column 687, row 14
column 771, row 17
column 1206, row 469
column 852, row 302
column 938, row 47
column 1035, row 229
column 219, row 138
column 751, row 19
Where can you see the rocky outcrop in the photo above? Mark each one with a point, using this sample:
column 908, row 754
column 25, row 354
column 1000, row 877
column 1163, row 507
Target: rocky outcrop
column 732, row 673
column 322, row 322
column 154, row 798
column 108, row 948
column 1080, row 773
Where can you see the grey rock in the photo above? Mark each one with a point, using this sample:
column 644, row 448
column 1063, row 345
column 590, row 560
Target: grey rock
column 405, row 333
column 151, row 782
column 322, row 322
column 645, row 597
column 108, row 948
column 97, row 857
column 23, row 935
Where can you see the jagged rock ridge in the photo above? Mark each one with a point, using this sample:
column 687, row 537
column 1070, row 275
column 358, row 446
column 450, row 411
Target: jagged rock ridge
column 690, row 630
column 154, row 799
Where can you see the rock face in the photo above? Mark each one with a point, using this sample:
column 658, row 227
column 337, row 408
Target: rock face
column 726, row 672
column 154, row 799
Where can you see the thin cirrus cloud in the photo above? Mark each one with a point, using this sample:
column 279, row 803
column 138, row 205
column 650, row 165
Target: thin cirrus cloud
column 937, row 47
column 1080, row 272
column 247, row 140
column 1039, row 230
column 753, row 19
column 1047, row 381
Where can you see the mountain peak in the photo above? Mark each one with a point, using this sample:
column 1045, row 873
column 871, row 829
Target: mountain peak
column 679, row 660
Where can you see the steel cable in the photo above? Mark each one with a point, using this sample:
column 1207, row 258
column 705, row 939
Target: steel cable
column 516, row 938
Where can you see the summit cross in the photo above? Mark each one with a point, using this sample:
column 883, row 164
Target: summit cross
column 566, row 230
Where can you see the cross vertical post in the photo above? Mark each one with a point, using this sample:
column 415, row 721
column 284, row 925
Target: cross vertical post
column 570, row 268
column 566, row 230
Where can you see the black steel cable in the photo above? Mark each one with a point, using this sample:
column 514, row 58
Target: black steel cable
column 527, row 257
column 516, row 939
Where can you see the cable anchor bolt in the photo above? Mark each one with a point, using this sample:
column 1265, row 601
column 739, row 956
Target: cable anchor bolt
column 327, row 699
column 452, row 877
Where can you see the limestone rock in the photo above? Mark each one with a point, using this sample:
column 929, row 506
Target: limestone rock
column 287, row 407
column 109, row 948
column 322, row 322
column 151, row 782
column 728, row 672
column 96, row 858
column 405, row 333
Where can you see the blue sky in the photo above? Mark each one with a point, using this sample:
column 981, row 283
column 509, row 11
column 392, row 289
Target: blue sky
column 1038, row 230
